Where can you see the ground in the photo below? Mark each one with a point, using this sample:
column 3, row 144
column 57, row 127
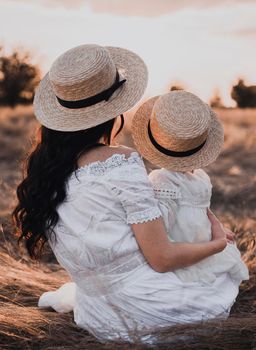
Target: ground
column 24, row 326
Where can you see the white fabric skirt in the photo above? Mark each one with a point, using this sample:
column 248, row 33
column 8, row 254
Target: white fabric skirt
column 150, row 302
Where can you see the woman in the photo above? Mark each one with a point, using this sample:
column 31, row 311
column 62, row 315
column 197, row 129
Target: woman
column 94, row 205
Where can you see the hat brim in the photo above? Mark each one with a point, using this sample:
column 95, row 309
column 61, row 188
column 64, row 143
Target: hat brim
column 206, row 155
column 54, row 116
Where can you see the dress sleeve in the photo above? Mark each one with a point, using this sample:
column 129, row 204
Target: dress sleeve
column 131, row 187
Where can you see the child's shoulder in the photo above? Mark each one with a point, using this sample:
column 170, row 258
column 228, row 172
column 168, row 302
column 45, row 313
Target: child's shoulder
column 158, row 175
column 164, row 177
column 177, row 179
column 165, row 184
column 202, row 174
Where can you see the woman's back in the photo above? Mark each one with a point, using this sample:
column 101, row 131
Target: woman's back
column 103, row 198
column 118, row 294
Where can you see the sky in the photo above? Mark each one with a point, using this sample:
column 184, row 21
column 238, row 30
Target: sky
column 203, row 45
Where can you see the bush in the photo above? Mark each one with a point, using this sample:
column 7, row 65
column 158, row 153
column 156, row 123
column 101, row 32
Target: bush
column 216, row 101
column 18, row 78
column 176, row 87
column 245, row 96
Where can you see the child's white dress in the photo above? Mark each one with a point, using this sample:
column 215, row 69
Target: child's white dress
column 184, row 199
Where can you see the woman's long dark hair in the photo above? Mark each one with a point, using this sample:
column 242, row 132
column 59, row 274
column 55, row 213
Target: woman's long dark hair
column 47, row 169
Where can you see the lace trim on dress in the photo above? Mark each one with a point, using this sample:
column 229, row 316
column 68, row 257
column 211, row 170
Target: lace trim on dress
column 102, row 167
column 144, row 216
column 167, row 193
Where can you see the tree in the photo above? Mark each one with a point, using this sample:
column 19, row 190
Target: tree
column 176, row 87
column 18, row 78
column 216, row 100
column 245, row 96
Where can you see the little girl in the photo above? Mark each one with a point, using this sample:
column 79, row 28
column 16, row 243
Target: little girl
column 179, row 134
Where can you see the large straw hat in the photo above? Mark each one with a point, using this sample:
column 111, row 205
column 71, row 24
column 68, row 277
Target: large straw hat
column 89, row 85
column 177, row 131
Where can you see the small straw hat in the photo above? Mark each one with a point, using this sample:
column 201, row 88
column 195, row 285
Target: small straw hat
column 177, row 131
column 89, row 85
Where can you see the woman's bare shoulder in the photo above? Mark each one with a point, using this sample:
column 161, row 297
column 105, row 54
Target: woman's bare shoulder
column 122, row 150
column 103, row 153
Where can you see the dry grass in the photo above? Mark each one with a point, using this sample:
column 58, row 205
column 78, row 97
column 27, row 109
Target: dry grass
column 24, row 326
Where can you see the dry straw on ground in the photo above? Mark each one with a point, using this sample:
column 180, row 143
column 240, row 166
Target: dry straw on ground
column 24, row 326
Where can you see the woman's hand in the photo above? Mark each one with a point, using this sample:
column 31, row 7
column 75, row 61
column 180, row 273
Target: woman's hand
column 218, row 231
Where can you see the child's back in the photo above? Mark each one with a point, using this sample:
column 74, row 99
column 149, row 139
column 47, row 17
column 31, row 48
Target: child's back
column 188, row 195
column 184, row 199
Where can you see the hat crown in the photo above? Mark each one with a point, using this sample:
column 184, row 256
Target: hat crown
column 177, row 131
column 182, row 115
column 82, row 72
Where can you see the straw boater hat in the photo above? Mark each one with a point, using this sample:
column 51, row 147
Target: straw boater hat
column 89, row 85
column 177, row 131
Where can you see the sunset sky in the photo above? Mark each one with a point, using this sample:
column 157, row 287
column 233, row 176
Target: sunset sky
column 202, row 44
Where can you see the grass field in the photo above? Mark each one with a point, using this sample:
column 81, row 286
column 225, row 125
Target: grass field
column 23, row 326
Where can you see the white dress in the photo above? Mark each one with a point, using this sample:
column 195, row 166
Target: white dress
column 115, row 293
column 184, row 199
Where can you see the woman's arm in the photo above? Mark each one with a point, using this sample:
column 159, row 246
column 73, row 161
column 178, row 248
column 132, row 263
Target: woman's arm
column 164, row 255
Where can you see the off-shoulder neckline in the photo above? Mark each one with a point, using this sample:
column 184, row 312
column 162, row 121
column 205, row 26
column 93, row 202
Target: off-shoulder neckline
column 100, row 167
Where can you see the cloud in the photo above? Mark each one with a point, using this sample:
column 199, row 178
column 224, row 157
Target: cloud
column 152, row 8
column 246, row 32
column 144, row 8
